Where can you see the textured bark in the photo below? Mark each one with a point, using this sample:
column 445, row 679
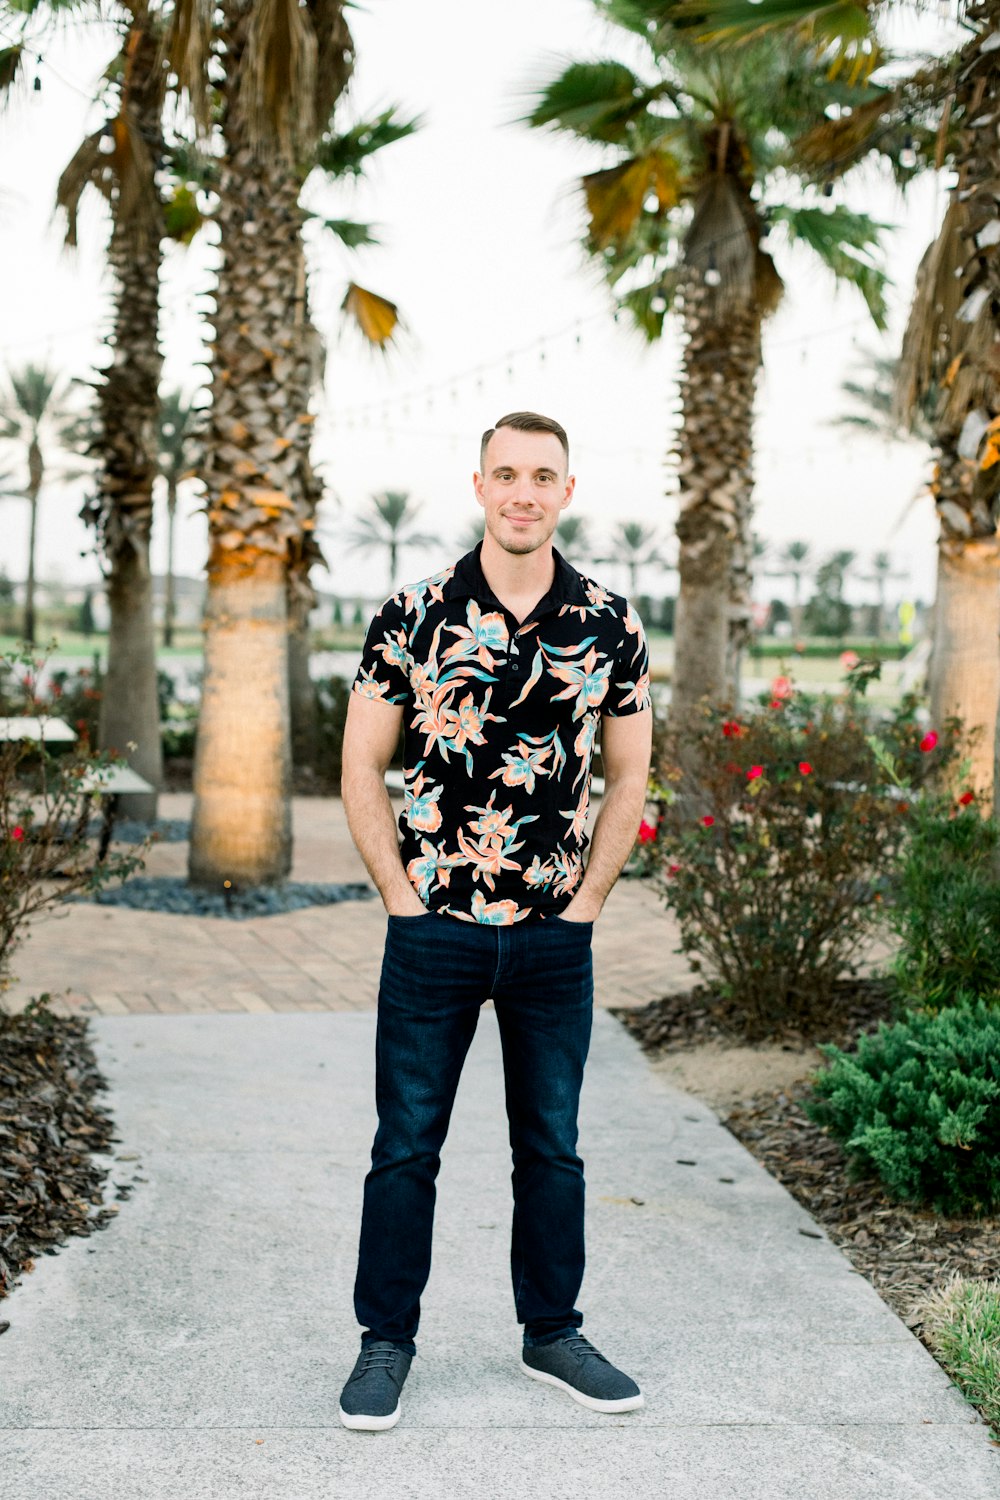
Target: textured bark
column 170, row 588
column 718, row 378
column 964, row 671
column 261, row 497
column 128, row 403
column 241, row 825
column 977, row 105
column 129, row 704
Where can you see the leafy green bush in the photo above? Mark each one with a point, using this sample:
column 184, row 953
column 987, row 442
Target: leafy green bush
column 946, row 907
column 773, row 852
column 918, row 1104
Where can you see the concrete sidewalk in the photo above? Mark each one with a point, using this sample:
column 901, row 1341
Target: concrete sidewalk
column 196, row 1348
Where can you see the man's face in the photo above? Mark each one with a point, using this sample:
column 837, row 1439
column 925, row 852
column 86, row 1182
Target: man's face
column 524, row 489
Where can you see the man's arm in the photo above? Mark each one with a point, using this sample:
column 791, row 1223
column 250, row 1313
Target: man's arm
column 626, row 745
column 370, row 737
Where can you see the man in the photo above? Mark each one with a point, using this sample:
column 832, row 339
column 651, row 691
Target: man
column 500, row 670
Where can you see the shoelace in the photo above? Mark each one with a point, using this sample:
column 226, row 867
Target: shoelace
column 377, row 1359
column 581, row 1347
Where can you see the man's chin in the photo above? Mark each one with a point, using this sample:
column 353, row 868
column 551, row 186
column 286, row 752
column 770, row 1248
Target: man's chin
column 519, row 543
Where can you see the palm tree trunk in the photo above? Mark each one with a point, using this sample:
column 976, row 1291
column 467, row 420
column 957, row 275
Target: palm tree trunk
column 964, row 670
column 29, row 584
column 169, row 589
column 241, row 825
column 303, row 703
column 258, row 507
column 128, row 400
column 718, row 379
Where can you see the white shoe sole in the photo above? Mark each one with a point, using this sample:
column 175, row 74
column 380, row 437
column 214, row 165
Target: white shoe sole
column 359, row 1422
column 626, row 1403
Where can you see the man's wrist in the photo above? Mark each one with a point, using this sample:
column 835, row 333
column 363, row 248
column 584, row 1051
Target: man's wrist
column 583, row 908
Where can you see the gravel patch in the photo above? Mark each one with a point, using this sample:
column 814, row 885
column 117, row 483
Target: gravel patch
column 172, row 893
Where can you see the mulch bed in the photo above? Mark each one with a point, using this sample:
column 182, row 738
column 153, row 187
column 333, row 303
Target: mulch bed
column 51, row 1130
column 904, row 1252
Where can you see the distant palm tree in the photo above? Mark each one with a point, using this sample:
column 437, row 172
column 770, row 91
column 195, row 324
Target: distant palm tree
column 176, row 451
column 881, row 573
column 636, row 546
column 35, row 415
column 389, row 529
column 795, row 562
column 573, row 537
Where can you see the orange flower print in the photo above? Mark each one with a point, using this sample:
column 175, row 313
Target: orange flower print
column 638, row 693
column 494, row 913
column 586, row 680
column 421, row 809
column 484, row 635
column 430, row 868
column 369, row 688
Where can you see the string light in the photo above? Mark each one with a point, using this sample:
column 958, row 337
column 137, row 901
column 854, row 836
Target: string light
column 713, row 276
column 907, row 155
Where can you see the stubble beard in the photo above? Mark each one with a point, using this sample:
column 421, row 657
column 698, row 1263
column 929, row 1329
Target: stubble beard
column 518, row 547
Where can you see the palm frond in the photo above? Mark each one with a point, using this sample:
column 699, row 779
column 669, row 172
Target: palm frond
column 595, row 100
column 843, row 29
column 346, row 154
column 87, row 165
column 348, row 231
column 845, row 241
column 186, row 47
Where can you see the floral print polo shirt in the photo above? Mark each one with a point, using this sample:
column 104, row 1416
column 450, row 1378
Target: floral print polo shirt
column 499, row 727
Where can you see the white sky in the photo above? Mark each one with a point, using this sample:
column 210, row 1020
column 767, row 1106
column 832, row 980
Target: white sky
column 480, row 248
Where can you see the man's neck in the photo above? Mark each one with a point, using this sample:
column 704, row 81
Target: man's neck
column 519, row 580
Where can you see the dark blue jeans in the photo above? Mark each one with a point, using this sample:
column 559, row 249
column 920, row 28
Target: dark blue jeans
column 436, row 973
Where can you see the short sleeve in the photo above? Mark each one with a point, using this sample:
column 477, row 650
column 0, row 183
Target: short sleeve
column 628, row 691
column 386, row 660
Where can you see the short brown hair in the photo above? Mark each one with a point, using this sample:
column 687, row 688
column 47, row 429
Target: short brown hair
column 525, row 421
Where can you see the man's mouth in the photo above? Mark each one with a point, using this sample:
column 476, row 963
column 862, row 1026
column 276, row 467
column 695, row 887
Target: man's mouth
column 523, row 520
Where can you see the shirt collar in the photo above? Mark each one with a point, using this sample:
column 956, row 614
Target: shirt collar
column 469, row 581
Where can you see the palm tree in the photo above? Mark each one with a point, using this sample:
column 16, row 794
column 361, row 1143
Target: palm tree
column 964, row 311
column 36, row 416
column 795, row 562
column 882, row 573
column 942, row 361
column 177, row 450
column 635, row 546
column 701, row 142
column 389, row 528
column 262, row 82
column 573, row 536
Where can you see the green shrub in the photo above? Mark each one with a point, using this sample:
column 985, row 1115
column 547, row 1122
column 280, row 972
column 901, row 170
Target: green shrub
column 773, row 853
column 918, row 1104
column 946, row 907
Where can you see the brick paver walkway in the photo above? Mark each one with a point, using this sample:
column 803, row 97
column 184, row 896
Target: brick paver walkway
column 113, row 960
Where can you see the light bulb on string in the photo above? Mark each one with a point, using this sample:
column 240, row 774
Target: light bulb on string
column 713, row 276
column 658, row 304
column 828, row 188
column 510, row 372
column 106, row 144
column 36, row 82
column 652, row 203
column 249, row 220
column 541, row 355
column 907, row 155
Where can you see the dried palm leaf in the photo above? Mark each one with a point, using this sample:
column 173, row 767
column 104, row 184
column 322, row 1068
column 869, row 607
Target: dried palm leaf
column 719, row 239
column 616, row 195
column 278, row 78
column 374, row 315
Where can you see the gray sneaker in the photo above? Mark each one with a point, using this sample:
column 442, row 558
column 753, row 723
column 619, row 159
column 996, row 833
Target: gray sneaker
column 370, row 1399
column 575, row 1366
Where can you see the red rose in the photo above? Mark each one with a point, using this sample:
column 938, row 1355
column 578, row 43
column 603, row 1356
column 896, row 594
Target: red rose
column 708, row 821
column 731, row 729
column 929, row 740
column 647, row 833
column 673, row 869
column 17, row 833
column 754, row 772
column 966, row 798
column 805, row 768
